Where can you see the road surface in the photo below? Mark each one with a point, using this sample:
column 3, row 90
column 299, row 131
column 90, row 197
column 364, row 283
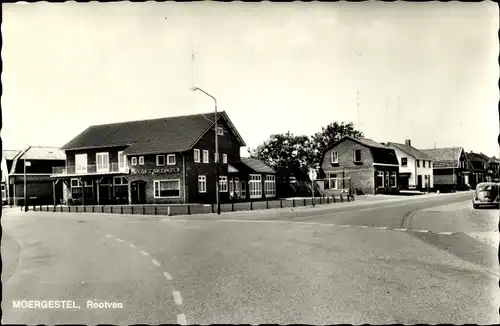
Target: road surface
column 417, row 260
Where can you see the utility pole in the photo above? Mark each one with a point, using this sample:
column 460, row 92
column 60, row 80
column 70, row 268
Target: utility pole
column 24, row 177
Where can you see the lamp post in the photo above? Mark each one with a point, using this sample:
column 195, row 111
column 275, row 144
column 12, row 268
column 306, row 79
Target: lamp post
column 194, row 89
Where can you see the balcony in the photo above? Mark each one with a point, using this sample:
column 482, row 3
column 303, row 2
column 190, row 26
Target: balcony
column 89, row 169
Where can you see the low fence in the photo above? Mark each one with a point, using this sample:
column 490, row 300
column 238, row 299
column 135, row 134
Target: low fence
column 191, row 209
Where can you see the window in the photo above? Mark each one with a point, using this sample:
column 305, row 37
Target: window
column 75, row 183
column 418, row 163
column 141, row 160
column 404, row 161
column 4, row 193
column 215, row 157
column 357, row 155
column 430, row 164
column 160, row 160
column 224, row 158
column 334, row 157
column 134, row 160
column 167, row 188
column 122, row 161
column 171, row 159
column 102, row 162
column 81, row 163
column 333, row 181
column 196, row 155
column 255, row 186
column 120, row 181
column 220, row 131
column 202, row 183
column 222, row 184
column 393, row 179
column 205, row 156
column 380, row 179
column 231, row 187
column 243, row 189
column 270, row 186
column 237, row 186
column 423, row 163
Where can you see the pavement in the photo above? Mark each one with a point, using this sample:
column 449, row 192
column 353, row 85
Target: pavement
column 401, row 261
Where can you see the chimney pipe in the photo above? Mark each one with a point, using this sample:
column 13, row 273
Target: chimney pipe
column 408, row 142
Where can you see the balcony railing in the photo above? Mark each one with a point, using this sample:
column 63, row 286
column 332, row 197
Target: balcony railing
column 89, row 169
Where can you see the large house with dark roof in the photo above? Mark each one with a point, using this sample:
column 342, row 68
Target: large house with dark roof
column 362, row 166
column 167, row 160
column 40, row 161
column 415, row 167
column 451, row 168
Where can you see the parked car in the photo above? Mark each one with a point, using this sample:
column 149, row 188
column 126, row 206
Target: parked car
column 486, row 194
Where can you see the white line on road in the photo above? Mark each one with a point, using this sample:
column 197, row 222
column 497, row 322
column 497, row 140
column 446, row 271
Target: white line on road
column 399, row 229
column 362, row 226
column 177, row 297
column 109, row 235
column 181, row 319
column 445, row 233
column 381, row 227
column 167, row 276
column 419, row 231
column 144, row 253
column 156, row 262
column 120, row 240
column 131, row 245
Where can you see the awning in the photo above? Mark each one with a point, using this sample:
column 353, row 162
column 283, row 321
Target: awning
column 232, row 169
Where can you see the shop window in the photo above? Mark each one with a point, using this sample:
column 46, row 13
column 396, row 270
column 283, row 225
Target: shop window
column 167, row 188
column 393, row 179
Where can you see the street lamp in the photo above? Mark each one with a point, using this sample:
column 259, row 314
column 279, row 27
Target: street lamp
column 194, row 89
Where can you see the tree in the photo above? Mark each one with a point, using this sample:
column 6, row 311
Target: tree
column 328, row 135
column 288, row 154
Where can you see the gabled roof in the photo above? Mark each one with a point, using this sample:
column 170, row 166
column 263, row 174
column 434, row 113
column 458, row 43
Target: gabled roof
column 450, row 154
column 255, row 165
column 42, row 153
column 474, row 156
column 10, row 154
column 410, row 150
column 164, row 135
column 381, row 153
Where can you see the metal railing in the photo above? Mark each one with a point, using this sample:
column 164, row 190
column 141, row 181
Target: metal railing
column 193, row 209
column 88, row 169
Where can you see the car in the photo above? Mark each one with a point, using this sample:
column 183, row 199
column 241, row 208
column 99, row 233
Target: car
column 486, row 194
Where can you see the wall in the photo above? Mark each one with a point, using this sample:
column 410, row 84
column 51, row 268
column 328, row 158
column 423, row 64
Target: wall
column 426, row 171
column 149, row 178
column 412, row 180
column 361, row 173
column 228, row 144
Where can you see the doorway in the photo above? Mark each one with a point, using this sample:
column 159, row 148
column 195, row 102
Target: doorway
column 139, row 192
column 419, row 182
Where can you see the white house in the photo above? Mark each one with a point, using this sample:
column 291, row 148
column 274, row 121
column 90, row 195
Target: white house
column 415, row 167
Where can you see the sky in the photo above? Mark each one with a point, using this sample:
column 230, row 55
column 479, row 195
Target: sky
column 273, row 67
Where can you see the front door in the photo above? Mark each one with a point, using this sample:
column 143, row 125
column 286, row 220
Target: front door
column 139, row 192
column 419, row 182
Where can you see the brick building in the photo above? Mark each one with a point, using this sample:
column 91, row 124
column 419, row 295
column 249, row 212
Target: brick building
column 40, row 160
column 167, row 160
column 451, row 168
column 369, row 167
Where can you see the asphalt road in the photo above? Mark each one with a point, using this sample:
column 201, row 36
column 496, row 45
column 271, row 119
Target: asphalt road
column 312, row 266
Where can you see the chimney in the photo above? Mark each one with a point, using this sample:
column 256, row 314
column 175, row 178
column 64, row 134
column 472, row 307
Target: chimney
column 408, row 142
